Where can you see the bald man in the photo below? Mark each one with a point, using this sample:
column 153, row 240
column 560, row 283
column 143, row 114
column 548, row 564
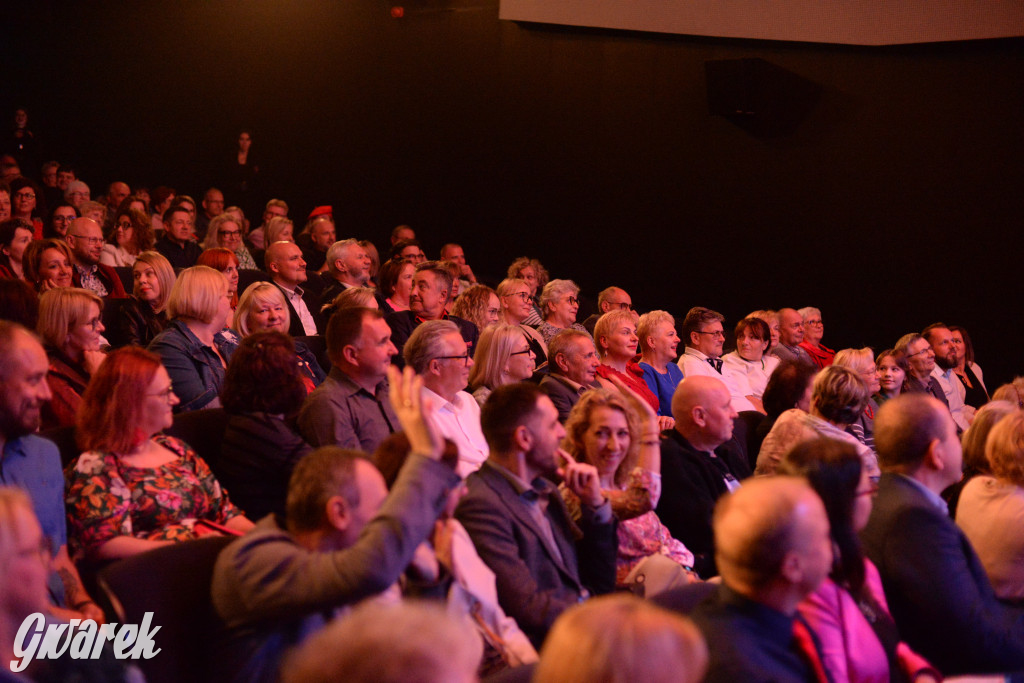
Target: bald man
column 938, row 591
column 610, row 299
column 699, row 463
column 116, row 193
column 85, row 237
column 791, row 334
column 287, row 270
column 773, row 549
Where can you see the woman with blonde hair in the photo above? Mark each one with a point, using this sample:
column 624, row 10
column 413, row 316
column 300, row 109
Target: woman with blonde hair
column 71, row 328
column 516, row 304
column 502, row 356
column 559, row 305
column 143, row 315
column 991, row 508
column 774, row 325
column 617, row 432
column 862, row 361
column 479, row 305
column 134, row 489
column 973, row 442
column 47, row 264
column 616, row 343
column 262, row 308
column 614, row 638
column 196, row 346
column 350, row 297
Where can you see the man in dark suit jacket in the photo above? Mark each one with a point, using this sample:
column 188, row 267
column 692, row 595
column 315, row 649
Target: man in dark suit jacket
column 519, row 524
column 572, row 368
column 431, row 285
column 287, row 270
column 937, row 589
column 699, row 463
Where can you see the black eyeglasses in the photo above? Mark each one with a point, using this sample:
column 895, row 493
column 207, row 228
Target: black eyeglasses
column 464, row 358
column 519, row 353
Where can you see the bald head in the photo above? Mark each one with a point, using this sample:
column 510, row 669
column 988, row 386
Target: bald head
column 772, row 539
column 85, row 237
column 702, row 408
column 117, row 193
column 285, row 264
column 791, row 326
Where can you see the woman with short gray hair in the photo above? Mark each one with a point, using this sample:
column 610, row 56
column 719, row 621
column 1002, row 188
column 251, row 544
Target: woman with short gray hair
column 559, row 305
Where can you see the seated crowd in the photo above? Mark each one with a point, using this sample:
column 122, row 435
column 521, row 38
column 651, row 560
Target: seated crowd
column 392, row 436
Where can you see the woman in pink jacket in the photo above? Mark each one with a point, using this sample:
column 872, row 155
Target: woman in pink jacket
column 848, row 611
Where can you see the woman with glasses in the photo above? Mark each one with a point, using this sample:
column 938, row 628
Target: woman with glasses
column 27, row 203
column 616, row 343
column 225, row 231
column 559, row 304
column 516, row 305
column 196, row 346
column 71, row 329
column 503, row 356
column 858, row 639
column 130, row 235
column 59, row 220
column 536, row 277
column 862, row 361
column 814, row 330
column 134, row 489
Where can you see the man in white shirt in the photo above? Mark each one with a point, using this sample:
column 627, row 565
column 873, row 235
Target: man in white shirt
column 941, row 340
column 439, row 354
column 704, row 336
column 287, row 270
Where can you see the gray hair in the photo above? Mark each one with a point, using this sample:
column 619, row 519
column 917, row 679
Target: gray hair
column 339, row 250
column 426, row 343
column 555, row 290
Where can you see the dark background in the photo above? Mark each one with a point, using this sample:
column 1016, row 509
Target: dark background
column 896, row 201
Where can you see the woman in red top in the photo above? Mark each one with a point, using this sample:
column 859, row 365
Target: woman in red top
column 616, row 342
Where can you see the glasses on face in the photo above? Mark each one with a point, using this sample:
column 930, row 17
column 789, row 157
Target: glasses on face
column 25, row 195
column 524, row 351
column 166, row 394
column 229, row 233
column 524, row 296
column 718, row 334
column 94, row 323
column 493, row 311
column 572, row 301
column 88, row 240
column 812, row 322
column 63, row 219
column 126, row 225
column 464, row 358
column 918, row 353
column 620, row 306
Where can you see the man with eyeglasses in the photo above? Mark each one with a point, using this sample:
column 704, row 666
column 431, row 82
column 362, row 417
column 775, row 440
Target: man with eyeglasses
column 439, row 354
column 32, row 463
column 431, row 287
column 921, row 362
column 704, row 336
column 77, row 194
column 85, row 237
column 610, row 299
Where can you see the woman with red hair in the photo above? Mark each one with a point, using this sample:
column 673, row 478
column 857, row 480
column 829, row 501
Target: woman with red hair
column 134, row 489
column 226, row 262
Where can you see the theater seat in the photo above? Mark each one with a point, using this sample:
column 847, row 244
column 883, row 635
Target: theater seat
column 172, row 582
column 203, row 430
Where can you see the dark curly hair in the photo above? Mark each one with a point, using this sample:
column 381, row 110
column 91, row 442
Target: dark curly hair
column 263, row 376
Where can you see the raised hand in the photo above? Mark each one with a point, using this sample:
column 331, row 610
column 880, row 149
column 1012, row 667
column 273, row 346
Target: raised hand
column 414, row 415
column 582, row 479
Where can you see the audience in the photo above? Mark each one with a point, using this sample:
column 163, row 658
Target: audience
column 47, row 264
column 658, row 343
column 263, row 391
column 848, row 611
column 343, row 539
column 130, row 234
column 15, row 236
column 134, row 489
column 559, row 304
column 622, row 638
column 940, row 338
column 610, row 299
column 617, row 433
column 85, row 238
column 937, row 589
column 71, row 328
column 991, row 508
column 704, row 336
column 973, row 443
column 225, row 231
column 749, row 367
column 967, row 370
column 891, row 368
column 316, row 238
column 503, row 356
column 479, row 305
column 814, row 330
column 225, row 261
column 177, row 243
column 143, row 315
column 196, row 346
column 791, row 334
column 536, row 277
column 616, row 342
column 516, row 307
column 862, row 361
column 572, row 370
column 396, row 285
column 288, row 271
column 60, row 220
column 348, row 265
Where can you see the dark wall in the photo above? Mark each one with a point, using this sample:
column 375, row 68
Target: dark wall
column 894, row 203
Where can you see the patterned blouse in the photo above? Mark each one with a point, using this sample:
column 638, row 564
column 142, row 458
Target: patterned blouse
column 107, row 498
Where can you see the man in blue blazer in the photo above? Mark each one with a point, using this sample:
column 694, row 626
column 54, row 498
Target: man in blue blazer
column 543, row 561
column 937, row 589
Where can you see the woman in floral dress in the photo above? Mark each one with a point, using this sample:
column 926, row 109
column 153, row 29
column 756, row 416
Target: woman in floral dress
column 134, row 489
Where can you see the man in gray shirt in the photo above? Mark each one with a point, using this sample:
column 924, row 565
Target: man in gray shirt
column 351, row 408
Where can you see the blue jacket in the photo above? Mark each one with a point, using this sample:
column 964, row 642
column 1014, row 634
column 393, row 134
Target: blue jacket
column 196, row 372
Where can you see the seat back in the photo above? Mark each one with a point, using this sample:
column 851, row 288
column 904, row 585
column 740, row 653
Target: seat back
column 203, row 430
column 172, row 582
column 745, row 432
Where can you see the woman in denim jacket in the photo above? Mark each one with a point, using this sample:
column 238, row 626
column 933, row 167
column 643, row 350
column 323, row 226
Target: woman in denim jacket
column 196, row 346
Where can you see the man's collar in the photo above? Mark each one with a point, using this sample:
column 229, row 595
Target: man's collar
column 84, row 270
column 296, row 290
column 350, row 386
column 690, row 351
column 529, row 490
column 932, row 497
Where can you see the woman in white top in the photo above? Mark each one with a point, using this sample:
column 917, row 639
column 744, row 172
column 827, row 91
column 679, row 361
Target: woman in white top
column 750, row 366
column 131, row 234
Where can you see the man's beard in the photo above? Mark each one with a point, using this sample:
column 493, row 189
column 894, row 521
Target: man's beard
column 945, row 363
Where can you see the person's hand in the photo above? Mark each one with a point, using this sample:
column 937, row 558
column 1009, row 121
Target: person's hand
column 405, row 392
column 444, row 531
column 92, row 361
column 91, row 610
column 466, row 272
column 582, row 479
column 666, row 422
column 46, row 285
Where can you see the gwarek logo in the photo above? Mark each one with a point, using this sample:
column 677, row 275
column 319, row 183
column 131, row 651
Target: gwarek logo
column 81, row 640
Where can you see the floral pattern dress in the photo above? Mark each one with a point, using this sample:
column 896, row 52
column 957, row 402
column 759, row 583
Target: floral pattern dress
column 107, row 498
